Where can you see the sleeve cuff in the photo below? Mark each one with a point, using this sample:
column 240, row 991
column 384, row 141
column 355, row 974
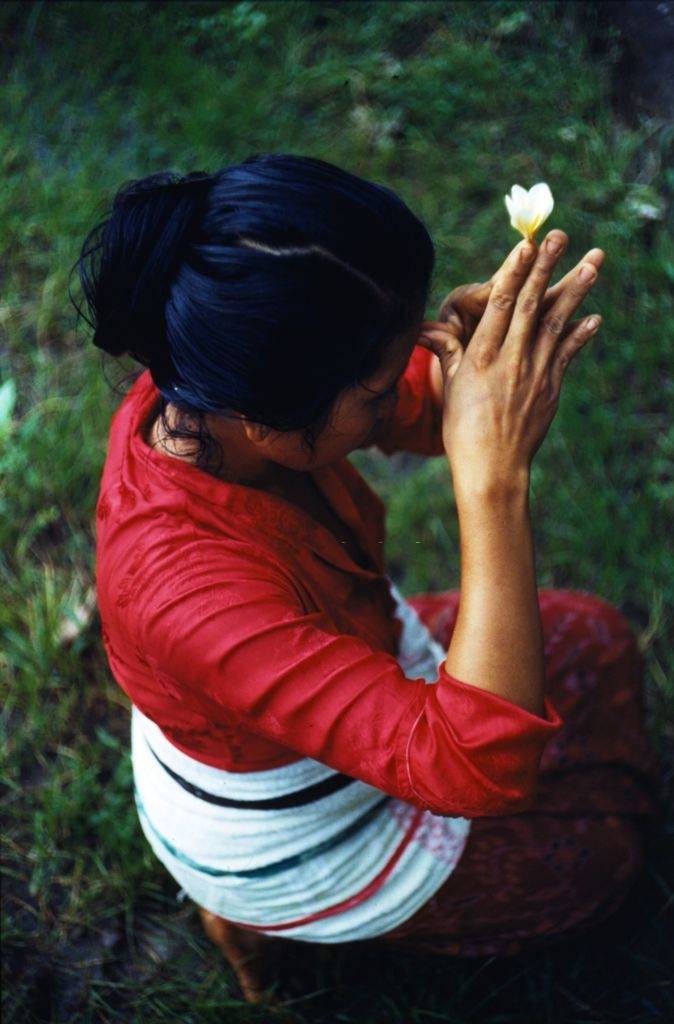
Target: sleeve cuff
column 493, row 702
column 465, row 751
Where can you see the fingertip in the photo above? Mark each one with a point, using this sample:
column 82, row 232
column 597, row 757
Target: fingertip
column 596, row 256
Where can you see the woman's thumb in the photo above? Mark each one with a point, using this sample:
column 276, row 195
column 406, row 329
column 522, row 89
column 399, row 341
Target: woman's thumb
column 447, row 347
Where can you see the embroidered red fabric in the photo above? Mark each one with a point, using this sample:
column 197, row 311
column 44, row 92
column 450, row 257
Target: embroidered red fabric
column 243, row 628
column 568, row 862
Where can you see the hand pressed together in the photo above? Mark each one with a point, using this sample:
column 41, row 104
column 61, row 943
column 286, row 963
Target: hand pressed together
column 462, row 308
column 502, row 360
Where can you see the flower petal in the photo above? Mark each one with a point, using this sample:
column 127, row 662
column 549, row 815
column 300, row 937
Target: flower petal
column 519, row 225
column 542, row 200
column 519, row 194
column 529, row 209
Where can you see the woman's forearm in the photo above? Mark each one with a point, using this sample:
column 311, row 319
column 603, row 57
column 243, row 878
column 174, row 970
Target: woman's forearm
column 497, row 643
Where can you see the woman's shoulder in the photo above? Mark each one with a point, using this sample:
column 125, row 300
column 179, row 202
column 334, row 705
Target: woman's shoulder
column 151, row 553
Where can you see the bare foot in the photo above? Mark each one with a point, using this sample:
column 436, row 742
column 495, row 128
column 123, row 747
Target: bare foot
column 246, row 951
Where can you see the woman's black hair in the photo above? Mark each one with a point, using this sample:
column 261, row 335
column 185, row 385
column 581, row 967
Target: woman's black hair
column 262, row 290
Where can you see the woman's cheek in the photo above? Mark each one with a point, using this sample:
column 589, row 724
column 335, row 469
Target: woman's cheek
column 376, row 423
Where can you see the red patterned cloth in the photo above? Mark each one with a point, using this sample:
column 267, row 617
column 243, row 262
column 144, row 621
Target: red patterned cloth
column 569, row 861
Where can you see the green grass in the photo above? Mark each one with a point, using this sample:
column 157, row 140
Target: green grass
column 449, row 104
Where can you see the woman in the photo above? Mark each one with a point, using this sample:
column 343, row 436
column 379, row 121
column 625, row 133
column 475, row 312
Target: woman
column 294, row 770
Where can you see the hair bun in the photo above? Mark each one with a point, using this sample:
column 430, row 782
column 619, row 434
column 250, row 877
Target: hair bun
column 129, row 260
column 111, row 342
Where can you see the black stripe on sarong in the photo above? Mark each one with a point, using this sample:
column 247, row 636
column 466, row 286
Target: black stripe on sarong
column 280, row 865
column 297, row 799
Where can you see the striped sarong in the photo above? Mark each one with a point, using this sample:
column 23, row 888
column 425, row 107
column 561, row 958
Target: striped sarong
column 300, row 851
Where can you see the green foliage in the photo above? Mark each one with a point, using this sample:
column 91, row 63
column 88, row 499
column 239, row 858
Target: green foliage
column 448, row 103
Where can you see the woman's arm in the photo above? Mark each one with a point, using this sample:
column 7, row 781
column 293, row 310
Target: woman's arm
column 498, row 407
column 498, row 636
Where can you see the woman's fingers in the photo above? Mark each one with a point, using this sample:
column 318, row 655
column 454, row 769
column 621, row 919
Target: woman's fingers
column 527, row 308
column 444, row 342
column 465, row 305
column 468, row 299
column 553, row 322
column 594, row 256
column 580, row 332
column 448, row 329
column 508, row 280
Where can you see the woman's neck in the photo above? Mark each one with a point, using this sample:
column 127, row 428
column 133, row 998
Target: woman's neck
column 239, row 465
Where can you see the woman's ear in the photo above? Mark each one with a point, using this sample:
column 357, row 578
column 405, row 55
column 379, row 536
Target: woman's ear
column 258, row 433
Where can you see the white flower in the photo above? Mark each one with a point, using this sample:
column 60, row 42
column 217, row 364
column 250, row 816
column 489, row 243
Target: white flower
column 528, row 210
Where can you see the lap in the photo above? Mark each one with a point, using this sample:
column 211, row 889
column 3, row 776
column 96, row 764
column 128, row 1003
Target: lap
column 570, row 860
column 525, row 879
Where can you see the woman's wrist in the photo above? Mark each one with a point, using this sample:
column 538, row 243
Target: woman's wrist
column 477, row 490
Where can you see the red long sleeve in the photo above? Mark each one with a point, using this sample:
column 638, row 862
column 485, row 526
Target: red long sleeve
column 222, row 625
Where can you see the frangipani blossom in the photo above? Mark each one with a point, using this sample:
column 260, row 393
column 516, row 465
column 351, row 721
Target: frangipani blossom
column 528, row 210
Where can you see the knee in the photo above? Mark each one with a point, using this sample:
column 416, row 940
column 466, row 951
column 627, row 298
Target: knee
column 604, row 619
column 585, row 624
column 597, row 865
column 619, row 861
column 590, row 649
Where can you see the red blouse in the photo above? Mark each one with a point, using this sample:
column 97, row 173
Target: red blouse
column 243, row 628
